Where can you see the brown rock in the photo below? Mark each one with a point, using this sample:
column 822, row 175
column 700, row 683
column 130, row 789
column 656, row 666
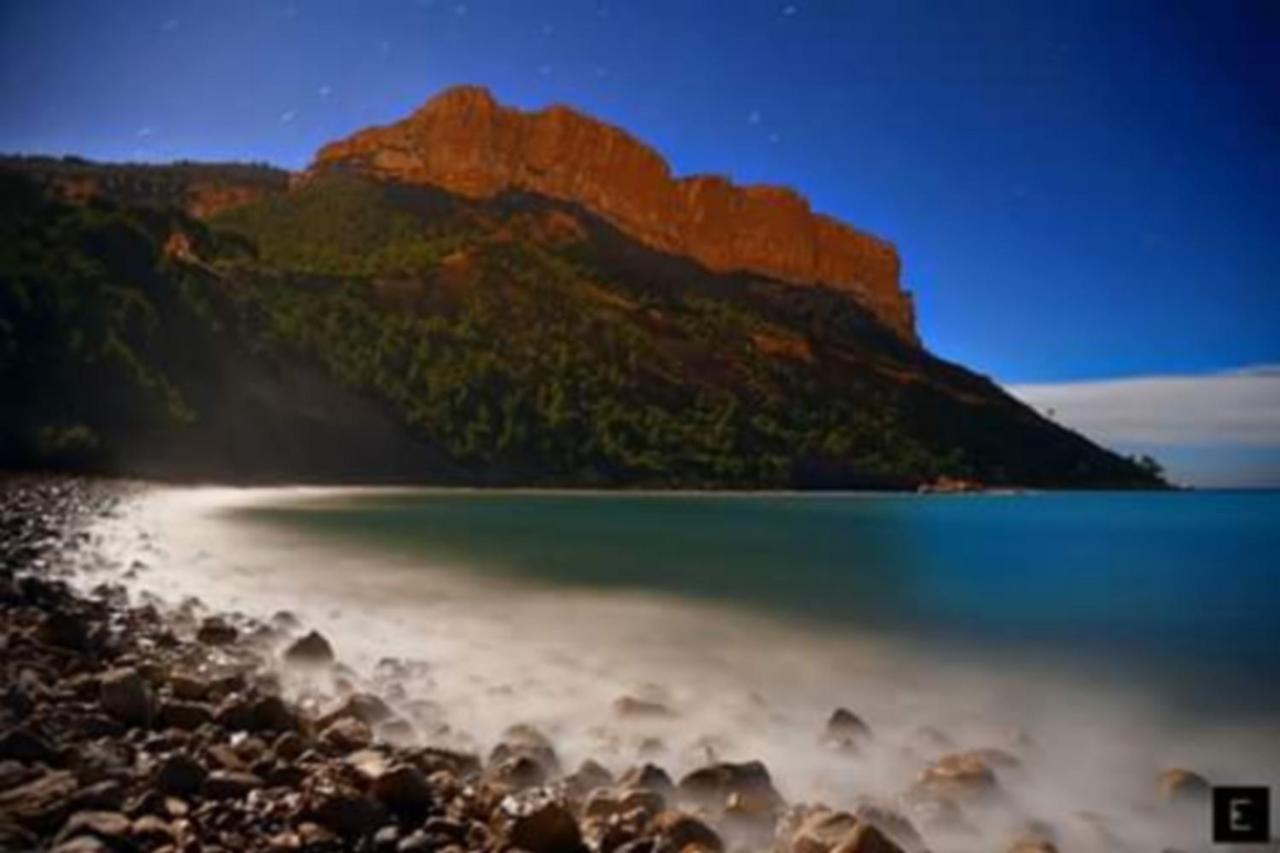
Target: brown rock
column 630, row 706
column 186, row 716
column 40, row 803
column 963, row 775
column 152, row 832
column 465, row 142
column 229, row 784
column 110, row 827
column 1179, row 785
column 311, row 649
column 650, row 777
column 180, row 775
column 272, row 714
column 125, row 695
column 403, row 789
column 346, row 735
column 365, row 707
column 676, row 831
column 541, row 825
column 213, row 631
column 747, row 784
column 845, row 729
column 22, row 744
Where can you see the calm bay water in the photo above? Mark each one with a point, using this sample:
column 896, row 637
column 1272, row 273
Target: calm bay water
column 1175, row 594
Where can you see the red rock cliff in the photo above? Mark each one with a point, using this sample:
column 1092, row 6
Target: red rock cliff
column 465, row 142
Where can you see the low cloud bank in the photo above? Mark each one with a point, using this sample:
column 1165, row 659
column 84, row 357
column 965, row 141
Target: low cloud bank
column 1214, row 429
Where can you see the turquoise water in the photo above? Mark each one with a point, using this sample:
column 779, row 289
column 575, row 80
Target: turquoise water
column 1178, row 594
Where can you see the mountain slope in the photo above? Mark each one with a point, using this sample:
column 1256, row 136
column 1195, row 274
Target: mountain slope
column 352, row 328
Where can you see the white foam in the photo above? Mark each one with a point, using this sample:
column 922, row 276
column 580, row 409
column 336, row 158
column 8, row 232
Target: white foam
column 501, row 652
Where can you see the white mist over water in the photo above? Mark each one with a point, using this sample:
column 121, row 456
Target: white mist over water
column 744, row 686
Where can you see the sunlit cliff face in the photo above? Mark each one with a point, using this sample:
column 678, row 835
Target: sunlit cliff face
column 465, row 142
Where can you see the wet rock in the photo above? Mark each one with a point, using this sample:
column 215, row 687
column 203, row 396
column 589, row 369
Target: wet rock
column 845, row 730
column 675, row 831
column 187, row 686
column 1179, row 785
column 213, row 631
column 126, row 696
column 519, row 771
column 526, row 741
column 600, row 803
column 963, row 776
column 748, row 784
column 65, row 630
column 403, row 789
column 229, row 784
column 346, row 735
column 112, row 828
column 589, row 776
column 342, row 808
column 271, row 714
column 365, row 707
column 827, row 831
column 896, row 826
column 22, row 744
column 289, row 746
column 641, row 800
column 152, row 832
column 311, row 649
column 396, row 731
column 107, row 795
column 179, row 775
column 41, row 803
column 540, row 825
column 651, row 777
column 185, row 716
column 630, row 707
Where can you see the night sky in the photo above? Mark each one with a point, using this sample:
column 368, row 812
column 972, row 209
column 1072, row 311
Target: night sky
column 1079, row 190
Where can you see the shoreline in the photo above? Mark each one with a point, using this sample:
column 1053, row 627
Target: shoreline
column 181, row 690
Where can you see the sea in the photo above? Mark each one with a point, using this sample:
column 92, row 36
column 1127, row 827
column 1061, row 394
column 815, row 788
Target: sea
column 1098, row 638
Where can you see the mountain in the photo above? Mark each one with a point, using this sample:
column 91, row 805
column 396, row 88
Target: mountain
column 465, row 142
column 480, row 296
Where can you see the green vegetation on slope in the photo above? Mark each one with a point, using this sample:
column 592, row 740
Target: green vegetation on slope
column 521, row 341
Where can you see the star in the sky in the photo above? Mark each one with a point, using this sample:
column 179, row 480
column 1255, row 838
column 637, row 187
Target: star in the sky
column 754, row 117
column 288, row 116
column 325, row 91
column 790, row 9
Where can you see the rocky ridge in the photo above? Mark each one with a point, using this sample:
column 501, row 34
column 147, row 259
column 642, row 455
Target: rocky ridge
column 465, row 142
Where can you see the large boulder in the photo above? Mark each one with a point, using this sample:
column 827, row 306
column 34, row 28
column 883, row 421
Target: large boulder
column 747, row 785
column 540, row 824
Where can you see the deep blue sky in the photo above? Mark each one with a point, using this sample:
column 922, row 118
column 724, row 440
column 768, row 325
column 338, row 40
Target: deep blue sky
column 1078, row 189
